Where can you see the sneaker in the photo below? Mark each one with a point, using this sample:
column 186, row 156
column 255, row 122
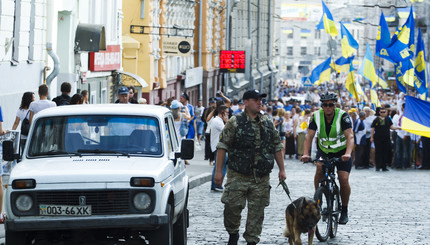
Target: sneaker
column 343, row 218
column 232, row 240
column 217, row 189
column 385, row 169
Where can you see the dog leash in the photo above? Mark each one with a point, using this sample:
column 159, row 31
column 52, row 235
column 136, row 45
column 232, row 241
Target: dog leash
column 285, row 187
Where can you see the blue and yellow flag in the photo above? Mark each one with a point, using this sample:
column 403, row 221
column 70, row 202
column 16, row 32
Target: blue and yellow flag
column 343, row 64
column 405, row 72
column 380, row 77
column 348, row 43
column 350, row 83
column 321, row 73
column 402, row 43
column 416, row 117
column 399, row 79
column 383, row 39
column 327, row 19
column 374, row 98
column 420, row 67
column 367, row 68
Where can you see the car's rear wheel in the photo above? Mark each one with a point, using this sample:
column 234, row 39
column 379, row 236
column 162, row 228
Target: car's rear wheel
column 164, row 234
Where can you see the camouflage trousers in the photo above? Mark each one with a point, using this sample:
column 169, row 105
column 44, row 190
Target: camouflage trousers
column 239, row 189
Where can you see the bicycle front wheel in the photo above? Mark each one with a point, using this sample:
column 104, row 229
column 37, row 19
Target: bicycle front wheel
column 336, row 213
column 321, row 197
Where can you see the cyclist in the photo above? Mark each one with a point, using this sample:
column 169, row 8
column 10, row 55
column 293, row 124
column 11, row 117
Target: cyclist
column 335, row 139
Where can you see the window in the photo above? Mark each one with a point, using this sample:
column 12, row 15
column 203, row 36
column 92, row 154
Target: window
column 101, row 134
column 289, row 50
column 303, row 50
column 317, row 34
column 318, row 51
column 291, row 34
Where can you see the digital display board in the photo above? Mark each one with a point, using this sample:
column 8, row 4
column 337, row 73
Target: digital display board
column 232, row 61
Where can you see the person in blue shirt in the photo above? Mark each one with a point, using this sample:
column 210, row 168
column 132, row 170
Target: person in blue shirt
column 2, row 132
column 184, row 100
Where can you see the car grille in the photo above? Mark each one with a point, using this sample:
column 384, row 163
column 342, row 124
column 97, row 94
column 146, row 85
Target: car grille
column 102, row 202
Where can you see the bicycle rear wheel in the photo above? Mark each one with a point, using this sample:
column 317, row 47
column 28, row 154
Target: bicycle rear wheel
column 324, row 224
column 336, row 213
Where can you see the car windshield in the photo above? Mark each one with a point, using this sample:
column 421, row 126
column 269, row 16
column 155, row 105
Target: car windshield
column 103, row 134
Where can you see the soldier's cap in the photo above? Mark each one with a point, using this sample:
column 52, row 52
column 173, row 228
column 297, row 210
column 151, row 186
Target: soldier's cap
column 212, row 100
column 253, row 94
column 240, row 102
column 123, row 90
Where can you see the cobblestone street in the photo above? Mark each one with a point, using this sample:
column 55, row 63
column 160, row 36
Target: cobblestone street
column 385, row 208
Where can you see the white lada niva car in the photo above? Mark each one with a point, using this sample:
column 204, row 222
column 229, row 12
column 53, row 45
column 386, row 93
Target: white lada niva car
column 99, row 172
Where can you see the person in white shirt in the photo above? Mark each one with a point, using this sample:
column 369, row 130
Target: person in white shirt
column 368, row 125
column 41, row 104
column 217, row 125
column 23, row 113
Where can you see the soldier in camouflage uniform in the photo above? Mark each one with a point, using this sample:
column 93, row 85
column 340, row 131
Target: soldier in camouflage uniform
column 253, row 144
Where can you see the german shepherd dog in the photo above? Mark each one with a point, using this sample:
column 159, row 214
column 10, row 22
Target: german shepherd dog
column 302, row 215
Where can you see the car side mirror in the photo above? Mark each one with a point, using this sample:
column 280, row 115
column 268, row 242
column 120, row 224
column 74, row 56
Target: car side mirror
column 8, row 151
column 187, row 149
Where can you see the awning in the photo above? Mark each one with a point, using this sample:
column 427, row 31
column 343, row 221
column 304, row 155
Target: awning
column 138, row 79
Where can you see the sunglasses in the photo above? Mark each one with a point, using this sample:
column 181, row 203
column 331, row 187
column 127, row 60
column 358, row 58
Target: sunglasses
column 382, row 111
column 327, row 104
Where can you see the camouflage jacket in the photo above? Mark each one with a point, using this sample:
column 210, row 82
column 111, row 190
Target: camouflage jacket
column 250, row 143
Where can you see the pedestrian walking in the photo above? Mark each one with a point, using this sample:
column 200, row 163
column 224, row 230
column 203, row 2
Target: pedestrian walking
column 380, row 135
column 2, row 132
column 23, row 116
column 84, row 94
column 64, row 98
column 191, row 130
column 253, row 144
column 41, row 104
column 217, row 125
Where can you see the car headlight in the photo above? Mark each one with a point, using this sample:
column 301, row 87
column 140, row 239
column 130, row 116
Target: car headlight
column 142, row 201
column 24, row 203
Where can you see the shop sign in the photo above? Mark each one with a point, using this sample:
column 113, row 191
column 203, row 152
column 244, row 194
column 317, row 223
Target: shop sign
column 232, row 61
column 176, row 46
column 193, row 77
column 108, row 60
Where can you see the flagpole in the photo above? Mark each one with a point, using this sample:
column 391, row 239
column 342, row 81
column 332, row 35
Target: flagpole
column 331, row 68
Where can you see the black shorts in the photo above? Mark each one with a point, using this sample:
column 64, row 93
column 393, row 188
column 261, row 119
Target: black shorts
column 341, row 166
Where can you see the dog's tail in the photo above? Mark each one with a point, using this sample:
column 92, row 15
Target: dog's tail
column 286, row 232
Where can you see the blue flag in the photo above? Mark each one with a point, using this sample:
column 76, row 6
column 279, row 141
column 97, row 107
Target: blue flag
column 420, row 66
column 328, row 21
column 402, row 43
column 383, row 39
column 343, row 64
column 416, row 117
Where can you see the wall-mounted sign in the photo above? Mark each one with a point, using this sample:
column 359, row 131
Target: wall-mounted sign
column 108, row 60
column 176, row 46
column 232, row 61
column 193, row 77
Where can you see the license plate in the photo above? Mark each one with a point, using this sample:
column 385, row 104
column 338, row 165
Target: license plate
column 64, row 210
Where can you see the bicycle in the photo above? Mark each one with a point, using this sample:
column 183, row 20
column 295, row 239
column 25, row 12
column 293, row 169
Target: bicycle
column 327, row 197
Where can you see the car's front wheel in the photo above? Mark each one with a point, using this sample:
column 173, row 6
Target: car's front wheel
column 180, row 228
column 16, row 238
column 164, row 234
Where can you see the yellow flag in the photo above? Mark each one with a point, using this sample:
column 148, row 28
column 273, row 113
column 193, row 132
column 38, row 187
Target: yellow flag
column 374, row 98
column 304, row 125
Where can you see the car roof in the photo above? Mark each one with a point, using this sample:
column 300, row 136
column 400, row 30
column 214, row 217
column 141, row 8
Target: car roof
column 105, row 109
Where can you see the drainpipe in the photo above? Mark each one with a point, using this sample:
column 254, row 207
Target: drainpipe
column 259, row 46
column 270, row 50
column 54, row 57
column 249, row 56
column 200, row 46
column 50, row 30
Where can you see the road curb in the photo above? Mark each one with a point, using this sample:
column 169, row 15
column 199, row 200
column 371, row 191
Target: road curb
column 200, row 179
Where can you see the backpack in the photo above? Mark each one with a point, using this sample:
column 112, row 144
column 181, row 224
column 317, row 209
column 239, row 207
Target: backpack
column 25, row 125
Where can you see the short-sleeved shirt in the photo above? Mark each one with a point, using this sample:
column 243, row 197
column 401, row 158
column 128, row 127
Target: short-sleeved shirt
column 39, row 105
column 228, row 134
column 382, row 129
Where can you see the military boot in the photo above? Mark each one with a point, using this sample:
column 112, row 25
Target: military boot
column 232, row 240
